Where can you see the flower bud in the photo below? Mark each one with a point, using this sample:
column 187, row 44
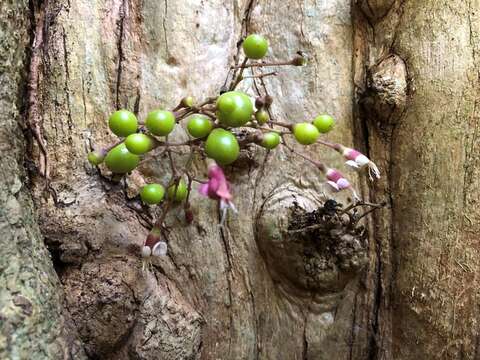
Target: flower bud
column 153, row 237
column 146, row 251
column 259, row 102
column 299, row 60
column 268, row 100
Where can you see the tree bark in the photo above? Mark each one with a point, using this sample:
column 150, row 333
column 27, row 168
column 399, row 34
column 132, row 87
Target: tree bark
column 418, row 103
column 249, row 291
column 32, row 322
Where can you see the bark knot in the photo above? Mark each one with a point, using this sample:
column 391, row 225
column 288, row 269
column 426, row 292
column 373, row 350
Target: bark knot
column 318, row 250
column 386, row 94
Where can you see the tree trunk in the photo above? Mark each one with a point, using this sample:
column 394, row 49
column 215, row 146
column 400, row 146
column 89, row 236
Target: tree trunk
column 33, row 323
column 402, row 79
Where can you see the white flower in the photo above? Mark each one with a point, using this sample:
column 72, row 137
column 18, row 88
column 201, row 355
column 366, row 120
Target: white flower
column 358, row 161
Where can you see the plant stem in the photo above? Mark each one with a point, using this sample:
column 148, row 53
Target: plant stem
column 239, row 76
column 263, row 64
column 287, row 126
column 317, row 164
column 260, row 76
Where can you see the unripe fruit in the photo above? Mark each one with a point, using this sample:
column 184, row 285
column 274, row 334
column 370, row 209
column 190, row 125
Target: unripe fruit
column 305, row 133
column 120, row 161
column 95, row 157
column 262, row 116
column 178, row 192
column 324, row 123
column 270, row 140
column 160, row 122
column 255, row 46
column 199, row 126
column 152, row 194
column 222, row 146
column 188, row 101
column 234, row 108
column 123, row 123
column 139, row 143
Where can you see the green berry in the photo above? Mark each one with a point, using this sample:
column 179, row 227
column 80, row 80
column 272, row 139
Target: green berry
column 95, row 158
column 120, row 161
column 178, row 192
column 262, row 116
column 123, row 123
column 255, row 46
column 160, row 122
column 139, row 143
column 199, row 126
column 234, row 108
column 152, row 194
column 188, row 101
column 270, row 140
column 305, row 133
column 324, row 123
column 222, row 146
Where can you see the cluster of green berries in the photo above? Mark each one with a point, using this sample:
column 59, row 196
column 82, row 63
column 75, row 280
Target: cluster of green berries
column 212, row 129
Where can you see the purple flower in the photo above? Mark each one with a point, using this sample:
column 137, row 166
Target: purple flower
column 338, row 182
column 218, row 188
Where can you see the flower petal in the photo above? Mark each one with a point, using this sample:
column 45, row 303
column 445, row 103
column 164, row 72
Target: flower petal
column 352, row 164
column 146, row 251
column 343, row 184
column 160, row 249
column 362, row 160
column 373, row 169
column 203, row 189
column 333, row 185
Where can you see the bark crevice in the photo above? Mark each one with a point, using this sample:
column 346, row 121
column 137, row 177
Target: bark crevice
column 120, row 54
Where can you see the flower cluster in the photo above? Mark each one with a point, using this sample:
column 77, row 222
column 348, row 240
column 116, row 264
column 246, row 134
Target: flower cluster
column 211, row 125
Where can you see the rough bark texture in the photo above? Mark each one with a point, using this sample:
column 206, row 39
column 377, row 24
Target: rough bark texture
column 418, row 103
column 254, row 291
column 32, row 325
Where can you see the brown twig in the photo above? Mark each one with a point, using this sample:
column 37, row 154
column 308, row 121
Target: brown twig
column 263, row 64
column 317, row 164
column 374, row 207
column 362, row 203
column 239, row 77
column 287, row 126
column 261, row 76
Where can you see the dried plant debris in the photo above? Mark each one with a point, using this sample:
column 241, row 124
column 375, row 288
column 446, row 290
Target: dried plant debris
column 333, row 244
column 316, row 251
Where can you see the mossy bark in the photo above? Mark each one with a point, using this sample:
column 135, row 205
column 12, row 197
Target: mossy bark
column 32, row 322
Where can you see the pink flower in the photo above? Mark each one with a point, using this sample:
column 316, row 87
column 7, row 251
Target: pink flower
column 338, row 182
column 357, row 160
column 218, row 188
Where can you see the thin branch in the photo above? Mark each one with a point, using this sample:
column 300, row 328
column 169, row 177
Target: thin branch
column 285, row 125
column 317, row 164
column 264, row 64
column 260, row 76
column 239, row 78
